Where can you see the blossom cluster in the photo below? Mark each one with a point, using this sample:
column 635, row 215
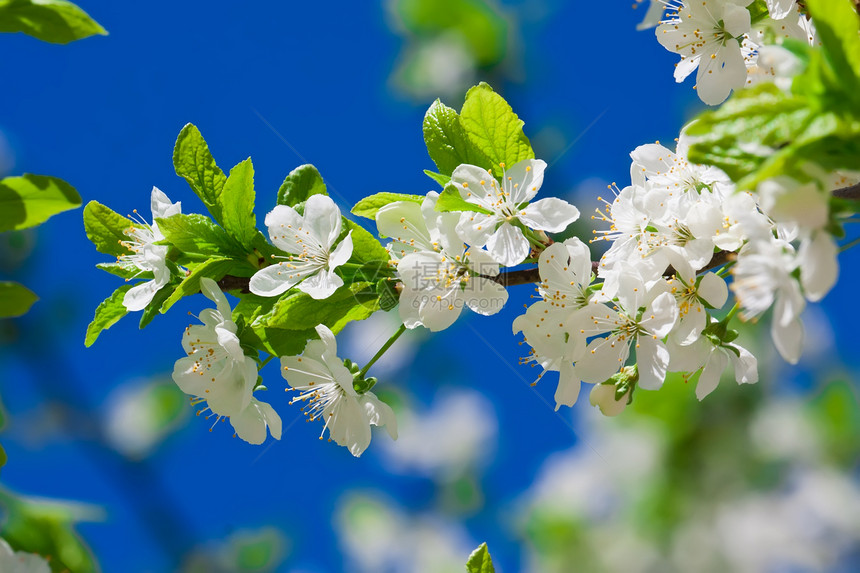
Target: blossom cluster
column 722, row 42
column 677, row 232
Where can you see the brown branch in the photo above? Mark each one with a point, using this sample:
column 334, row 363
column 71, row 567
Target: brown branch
column 506, row 278
column 852, row 192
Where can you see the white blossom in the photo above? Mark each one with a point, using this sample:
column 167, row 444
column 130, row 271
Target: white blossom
column 217, row 371
column 148, row 257
column 310, row 241
column 763, row 278
column 705, row 33
column 549, row 326
column 643, row 315
column 713, row 359
column 326, row 386
column 505, row 206
column 438, row 272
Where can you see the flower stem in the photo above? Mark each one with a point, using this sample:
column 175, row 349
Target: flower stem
column 731, row 313
column 266, row 361
column 382, row 350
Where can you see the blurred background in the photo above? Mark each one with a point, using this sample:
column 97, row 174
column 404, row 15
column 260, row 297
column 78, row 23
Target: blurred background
column 104, row 456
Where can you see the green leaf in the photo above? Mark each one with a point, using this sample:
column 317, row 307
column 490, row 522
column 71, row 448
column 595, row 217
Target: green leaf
column 299, row 311
column 278, row 341
column 369, row 206
column 214, row 269
column 387, row 293
column 300, row 184
column 480, row 561
column 46, row 527
column 237, row 204
column 494, row 128
column 365, row 248
column 838, row 27
column 451, row 200
column 107, row 314
column 106, row 229
column 198, row 237
column 447, row 142
column 29, row 200
column 442, row 180
column 55, row 21
column 193, row 162
column 15, row 299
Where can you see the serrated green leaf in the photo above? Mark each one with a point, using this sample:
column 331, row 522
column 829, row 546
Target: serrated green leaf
column 369, row 206
column 154, row 307
column 451, row 200
column 300, row 184
column 442, row 180
column 106, row 229
column 480, row 561
column 54, row 21
column 214, row 269
column 15, row 299
column 447, row 142
column 198, row 237
column 29, row 200
column 299, row 311
column 194, row 163
column 107, row 314
column 494, row 128
column 365, row 247
column 237, row 204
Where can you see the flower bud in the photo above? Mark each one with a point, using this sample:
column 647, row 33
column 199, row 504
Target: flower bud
column 603, row 396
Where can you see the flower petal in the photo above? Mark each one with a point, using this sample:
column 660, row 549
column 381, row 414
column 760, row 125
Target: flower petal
column 551, row 214
column 485, row 296
column 321, row 285
column 508, row 245
column 139, row 296
column 322, row 219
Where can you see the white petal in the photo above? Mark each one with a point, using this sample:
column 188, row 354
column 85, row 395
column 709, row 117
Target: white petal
column 788, row 339
column 212, row 291
column 250, row 424
column 720, row 74
column 476, row 185
column 304, row 372
column 485, row 296
column 508, row 245
column 283, row 222
column 819, row 267
column 280, row 277
column 660, row 315
column 404, row 222
column 439, row 308
column 686, row 67
column 476, row 228
column 711, row 373
column 322, row 219
column 321, row 285
column 551, row 214
column 379, row 413
column 746, row 365
column 341, row 253
column 524, row 179
column 653, row 360
column 736, row 19
column 139, row 296
column 161, row 206
column 482, row 263
column 568, row 386
column 603, row 357
column 713, row 290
